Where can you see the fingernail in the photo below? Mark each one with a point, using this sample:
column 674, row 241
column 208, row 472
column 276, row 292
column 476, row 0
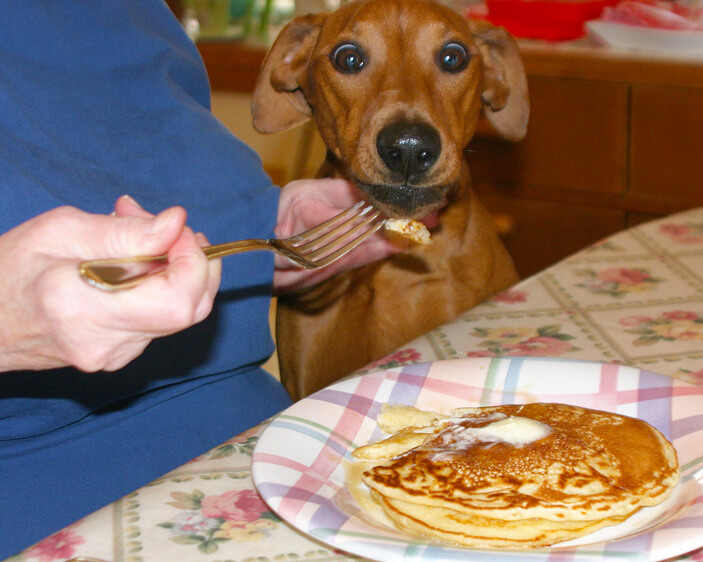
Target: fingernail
column 161, row 221
column 131, row 200
column 201, row 239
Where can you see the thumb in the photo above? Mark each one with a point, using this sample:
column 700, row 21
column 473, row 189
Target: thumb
column 161, row 231
column 150, row 235
column 114, row 237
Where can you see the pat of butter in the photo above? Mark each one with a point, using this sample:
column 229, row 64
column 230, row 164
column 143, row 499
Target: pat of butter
column 514, row 430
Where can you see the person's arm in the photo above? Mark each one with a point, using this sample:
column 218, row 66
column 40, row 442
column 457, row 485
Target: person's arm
column 51, row 318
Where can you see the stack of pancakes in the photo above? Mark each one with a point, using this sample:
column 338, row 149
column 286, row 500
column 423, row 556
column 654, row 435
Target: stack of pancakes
column 515, row 476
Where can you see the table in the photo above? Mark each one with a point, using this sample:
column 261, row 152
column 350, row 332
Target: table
column 634, row 298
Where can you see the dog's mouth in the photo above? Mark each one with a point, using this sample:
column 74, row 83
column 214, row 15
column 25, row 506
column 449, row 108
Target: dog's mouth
column 407, row 201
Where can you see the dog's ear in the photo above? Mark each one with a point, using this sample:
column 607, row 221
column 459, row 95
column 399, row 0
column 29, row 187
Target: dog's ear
column 278, row 102
column 505, row 97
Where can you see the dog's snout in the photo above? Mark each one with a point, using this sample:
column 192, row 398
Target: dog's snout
column 409, row 149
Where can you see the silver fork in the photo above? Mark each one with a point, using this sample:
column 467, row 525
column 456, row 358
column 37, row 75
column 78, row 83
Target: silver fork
column 315, row 248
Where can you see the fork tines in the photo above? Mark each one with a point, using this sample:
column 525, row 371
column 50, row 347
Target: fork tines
column 334, row 238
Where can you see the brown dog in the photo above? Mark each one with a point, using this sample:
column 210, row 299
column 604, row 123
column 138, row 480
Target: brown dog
column 396, row 88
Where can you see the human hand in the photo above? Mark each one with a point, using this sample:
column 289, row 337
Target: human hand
column 51, row 318
column 306, row 203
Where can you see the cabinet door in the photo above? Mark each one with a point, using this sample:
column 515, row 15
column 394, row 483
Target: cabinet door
column 667, row 143
column 576, row 140
column 540, row 233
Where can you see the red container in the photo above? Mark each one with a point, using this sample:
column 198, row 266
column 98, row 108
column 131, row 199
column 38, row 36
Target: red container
column 545, row 19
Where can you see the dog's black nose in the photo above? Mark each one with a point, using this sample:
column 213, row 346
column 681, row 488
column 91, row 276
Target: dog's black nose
column 409, row 149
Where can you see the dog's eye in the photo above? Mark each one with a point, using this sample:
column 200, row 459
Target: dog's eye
column 453, row 57
column 347, row 58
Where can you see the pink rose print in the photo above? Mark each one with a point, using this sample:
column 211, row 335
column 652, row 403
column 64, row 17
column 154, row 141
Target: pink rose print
column 680, row 315
column 208, row 521
column 688, row 233
column 674, row 229
column 623, row 275
column 634, row 320
column 617, row 281
column 543, row 341
column 59, row 546
column 243, row 505
column 400, row 357
column 539, row 346
column 511, row 296
column 673, row 325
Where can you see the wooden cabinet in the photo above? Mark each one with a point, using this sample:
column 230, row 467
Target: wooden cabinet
column 572, row 142
column 542, row 231
column 613, row 140
column 667, row 142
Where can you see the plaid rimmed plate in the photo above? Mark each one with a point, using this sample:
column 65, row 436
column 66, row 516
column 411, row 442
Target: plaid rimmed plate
column 301, row 461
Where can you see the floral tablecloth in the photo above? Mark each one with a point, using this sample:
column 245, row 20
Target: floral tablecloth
column 635, row 298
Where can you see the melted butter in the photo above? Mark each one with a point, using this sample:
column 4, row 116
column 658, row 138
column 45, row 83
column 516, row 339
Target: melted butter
column 515, row 430
column 361, row 495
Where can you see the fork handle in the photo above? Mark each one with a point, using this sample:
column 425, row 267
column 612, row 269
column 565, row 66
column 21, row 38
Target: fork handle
column 230, row 248
column 114, row 274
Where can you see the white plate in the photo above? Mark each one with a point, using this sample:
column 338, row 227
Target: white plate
column 647, row 39
column 301, row 460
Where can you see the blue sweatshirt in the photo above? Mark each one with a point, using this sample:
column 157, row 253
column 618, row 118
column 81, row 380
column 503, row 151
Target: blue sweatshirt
column 98, row 99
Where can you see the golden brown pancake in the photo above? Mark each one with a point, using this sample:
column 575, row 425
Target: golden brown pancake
column 519, row 475
column 471, row 530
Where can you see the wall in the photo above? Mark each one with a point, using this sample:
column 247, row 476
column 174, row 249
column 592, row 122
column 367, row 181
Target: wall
column 286, row 155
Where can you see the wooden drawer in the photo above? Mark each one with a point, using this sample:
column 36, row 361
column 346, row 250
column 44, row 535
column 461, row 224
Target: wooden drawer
column 577, row 139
